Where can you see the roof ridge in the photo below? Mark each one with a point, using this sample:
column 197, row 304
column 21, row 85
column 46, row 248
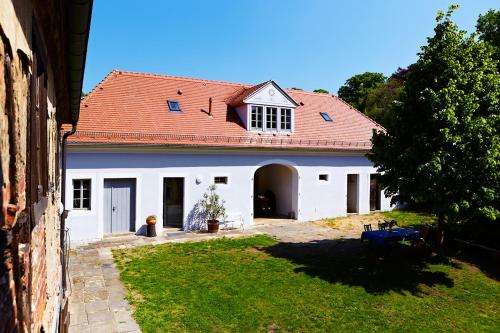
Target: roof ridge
column 308, row 92
column 182, row 78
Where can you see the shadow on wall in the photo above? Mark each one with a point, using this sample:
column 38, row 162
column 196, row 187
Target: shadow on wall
column 399, row 268
column 143, row 230
column 196, row 219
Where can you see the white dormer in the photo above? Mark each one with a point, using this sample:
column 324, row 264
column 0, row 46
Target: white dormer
column 266, row 108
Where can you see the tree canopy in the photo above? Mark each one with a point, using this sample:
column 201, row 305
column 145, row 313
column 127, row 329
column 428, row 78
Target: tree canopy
column 443, row 149
column 379, row 101
column 321, row 91
column 488, row 29
column 356, row 88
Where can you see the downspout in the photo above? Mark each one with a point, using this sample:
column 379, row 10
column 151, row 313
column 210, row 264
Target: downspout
column 64, row 214
column 62, row 315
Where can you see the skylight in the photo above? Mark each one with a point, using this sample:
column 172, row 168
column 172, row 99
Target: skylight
column 325, row 116
column 174, row 106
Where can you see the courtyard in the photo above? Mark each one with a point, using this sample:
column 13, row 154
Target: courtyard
column 283, row 277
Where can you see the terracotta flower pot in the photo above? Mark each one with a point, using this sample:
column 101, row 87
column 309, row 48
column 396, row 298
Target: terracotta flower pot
column 213, row 226
column 151, row 221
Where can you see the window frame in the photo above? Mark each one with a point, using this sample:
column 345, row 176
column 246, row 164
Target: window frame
column 257, row 107
column 81, row 197
column 326, row 117
column 172, row 109
column 279, row 114
column 269, row 116
column 285, row 116
column 226, row 178
column 37, row 153
column 323, row 177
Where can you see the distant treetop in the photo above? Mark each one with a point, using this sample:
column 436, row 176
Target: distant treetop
column 321, row 91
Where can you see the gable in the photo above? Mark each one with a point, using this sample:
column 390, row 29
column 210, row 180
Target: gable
column 270, row 94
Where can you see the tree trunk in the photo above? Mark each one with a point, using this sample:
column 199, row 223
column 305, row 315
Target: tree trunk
column 440, row 234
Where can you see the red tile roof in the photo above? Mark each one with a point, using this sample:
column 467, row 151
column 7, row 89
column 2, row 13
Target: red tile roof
column 131, row 108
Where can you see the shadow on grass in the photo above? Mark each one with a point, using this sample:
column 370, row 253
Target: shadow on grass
column 398, row 268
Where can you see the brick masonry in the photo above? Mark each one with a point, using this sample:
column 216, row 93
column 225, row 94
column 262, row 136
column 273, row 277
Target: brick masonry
column 30, row 265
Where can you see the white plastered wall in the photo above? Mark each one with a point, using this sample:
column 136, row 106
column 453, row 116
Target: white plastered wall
column 315, row 199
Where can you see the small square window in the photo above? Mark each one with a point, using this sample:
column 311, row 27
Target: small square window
column 325, row 116
column 323, row 177
column 220, row 180
column 81, row 194
column 174, row 106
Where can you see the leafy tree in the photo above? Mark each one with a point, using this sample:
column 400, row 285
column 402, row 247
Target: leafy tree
column 321, row 91
column 356, row 88
column 295, row 88
column 488, row 28
column 444, row 148
column 380, row 100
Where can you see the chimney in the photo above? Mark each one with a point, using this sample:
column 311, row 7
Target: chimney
column 210, row 106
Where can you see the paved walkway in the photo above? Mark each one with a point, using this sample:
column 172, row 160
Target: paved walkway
column 97, row 300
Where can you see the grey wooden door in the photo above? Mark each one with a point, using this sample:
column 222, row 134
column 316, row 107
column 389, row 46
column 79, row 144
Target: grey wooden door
column 119, row 205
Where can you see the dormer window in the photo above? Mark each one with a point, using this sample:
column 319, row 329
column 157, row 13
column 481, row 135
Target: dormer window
column 286, row 120
column 256, row 117
column 265, row 107
column 174, row 106
column 271, row 118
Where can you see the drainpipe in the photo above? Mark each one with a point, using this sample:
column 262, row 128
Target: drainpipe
column 64, row 214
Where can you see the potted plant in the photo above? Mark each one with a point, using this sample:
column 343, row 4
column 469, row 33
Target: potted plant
column 213, row 208
column 151, row 220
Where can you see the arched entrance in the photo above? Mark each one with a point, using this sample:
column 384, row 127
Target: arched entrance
column 276, row 192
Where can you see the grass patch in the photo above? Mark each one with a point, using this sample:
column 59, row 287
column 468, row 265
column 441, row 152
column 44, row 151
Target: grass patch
column 354, row 223
column 410, row 219
column 260, row 285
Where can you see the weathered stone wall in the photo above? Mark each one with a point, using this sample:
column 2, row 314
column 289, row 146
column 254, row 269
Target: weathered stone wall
column 30, row 267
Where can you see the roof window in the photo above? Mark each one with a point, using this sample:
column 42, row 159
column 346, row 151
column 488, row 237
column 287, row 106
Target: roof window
column 325, row 116
column 174, row 106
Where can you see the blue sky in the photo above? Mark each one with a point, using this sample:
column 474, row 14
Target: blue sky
column 298, row 43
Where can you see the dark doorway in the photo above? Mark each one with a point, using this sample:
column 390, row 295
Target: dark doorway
column 276, row 192
column 375, row 192
column 173, row 202
column 352, row 193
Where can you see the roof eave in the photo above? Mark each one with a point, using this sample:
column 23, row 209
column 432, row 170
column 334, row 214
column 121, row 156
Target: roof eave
column 79, row 13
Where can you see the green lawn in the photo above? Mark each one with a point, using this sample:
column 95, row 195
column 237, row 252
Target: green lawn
column 260, row 285
column 409, row 218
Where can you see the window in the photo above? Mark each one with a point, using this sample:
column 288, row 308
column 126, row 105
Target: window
column 220, row 180
column 256, row 117
column 271, row 118
column 286, row 119
column 38, row 138
column 81, row 193
column 325, row 116
column 323, row 177
column 174, row 106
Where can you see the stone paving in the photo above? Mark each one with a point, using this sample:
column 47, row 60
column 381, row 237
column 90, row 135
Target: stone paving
column 97, row 299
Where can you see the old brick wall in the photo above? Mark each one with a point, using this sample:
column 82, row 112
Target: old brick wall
column 7, row 285
column 30, row 267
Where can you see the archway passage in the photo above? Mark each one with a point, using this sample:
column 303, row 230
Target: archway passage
column 276, row 192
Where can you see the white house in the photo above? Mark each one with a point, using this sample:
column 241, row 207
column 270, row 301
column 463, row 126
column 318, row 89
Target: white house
column 151, row 145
